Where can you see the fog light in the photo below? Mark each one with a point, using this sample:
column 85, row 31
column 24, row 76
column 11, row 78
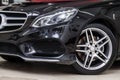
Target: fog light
column 55, row 35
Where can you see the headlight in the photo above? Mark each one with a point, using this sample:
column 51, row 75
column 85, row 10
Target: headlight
column 56, row 17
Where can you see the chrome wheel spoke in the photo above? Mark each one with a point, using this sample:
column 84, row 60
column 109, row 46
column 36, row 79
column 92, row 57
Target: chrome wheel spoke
column 82, row 46
column 104, row 43
column 102, row 54
column 86, row 60
column 100, row 59
column 101, row 40
column 87, row 36
column 91, row 60
column 83, row 51
column 91, row 34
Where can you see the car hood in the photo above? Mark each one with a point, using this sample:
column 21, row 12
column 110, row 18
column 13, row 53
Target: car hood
column 46, row 6
column 39, row 1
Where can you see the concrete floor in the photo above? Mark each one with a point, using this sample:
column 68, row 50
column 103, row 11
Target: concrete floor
column 47, row 71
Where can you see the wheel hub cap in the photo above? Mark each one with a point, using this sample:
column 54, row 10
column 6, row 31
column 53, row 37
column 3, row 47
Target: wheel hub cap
column 92, row 48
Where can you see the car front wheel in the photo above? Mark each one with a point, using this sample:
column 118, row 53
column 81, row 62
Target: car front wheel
column 95, row 49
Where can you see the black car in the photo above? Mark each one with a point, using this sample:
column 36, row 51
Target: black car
column 82, row 33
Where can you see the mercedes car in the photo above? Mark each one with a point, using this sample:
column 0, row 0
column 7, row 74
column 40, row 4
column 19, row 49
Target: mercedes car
column 82, row 33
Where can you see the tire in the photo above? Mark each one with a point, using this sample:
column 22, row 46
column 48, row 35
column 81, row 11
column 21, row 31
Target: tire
column 12, row 59
column 96, row 50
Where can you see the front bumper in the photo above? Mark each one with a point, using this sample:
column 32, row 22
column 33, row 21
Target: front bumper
column 33, row 45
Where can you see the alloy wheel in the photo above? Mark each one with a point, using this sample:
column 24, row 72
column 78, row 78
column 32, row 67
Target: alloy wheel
column 94, row 49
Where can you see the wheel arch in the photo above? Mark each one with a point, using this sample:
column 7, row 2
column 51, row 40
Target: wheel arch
column 104, row 21
column 107, row 22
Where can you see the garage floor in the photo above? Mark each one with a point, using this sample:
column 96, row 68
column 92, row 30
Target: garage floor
column 46, row 71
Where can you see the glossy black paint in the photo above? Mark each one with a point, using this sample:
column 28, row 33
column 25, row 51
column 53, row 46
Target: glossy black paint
column 99, row 11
